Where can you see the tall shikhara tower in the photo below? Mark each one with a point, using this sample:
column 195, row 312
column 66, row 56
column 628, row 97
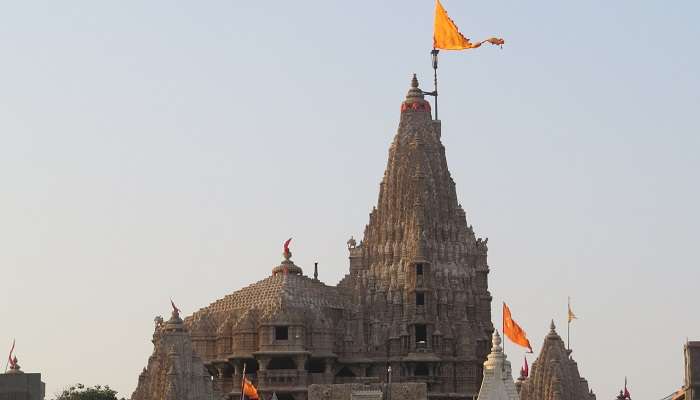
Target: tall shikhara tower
column 419, row 276
column 416, row 300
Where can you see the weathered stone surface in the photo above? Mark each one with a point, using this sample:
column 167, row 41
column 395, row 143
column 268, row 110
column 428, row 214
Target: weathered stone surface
column 419, row 276
column 416, row 297
column 174, row 371
column 554, row 374
column 348, row 391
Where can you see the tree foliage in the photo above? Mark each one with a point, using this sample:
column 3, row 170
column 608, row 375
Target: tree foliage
column 82, row 392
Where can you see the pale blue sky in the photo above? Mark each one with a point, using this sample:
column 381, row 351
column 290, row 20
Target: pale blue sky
column 167, row 148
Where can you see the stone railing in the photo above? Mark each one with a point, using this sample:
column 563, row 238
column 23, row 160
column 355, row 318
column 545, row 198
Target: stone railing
column 282, row 377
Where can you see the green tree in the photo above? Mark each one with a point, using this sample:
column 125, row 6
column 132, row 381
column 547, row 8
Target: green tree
column 81, row 392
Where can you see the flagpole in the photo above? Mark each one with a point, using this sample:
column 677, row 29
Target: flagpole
column 434, row 57
column 568, row 323
column 503, row 326
column 243, row 383
column 434, row 54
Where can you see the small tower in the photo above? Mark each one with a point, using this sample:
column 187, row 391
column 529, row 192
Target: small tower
column 498, row 380
column 555, row 375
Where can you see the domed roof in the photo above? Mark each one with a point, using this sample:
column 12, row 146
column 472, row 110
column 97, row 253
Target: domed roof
column 284, row 291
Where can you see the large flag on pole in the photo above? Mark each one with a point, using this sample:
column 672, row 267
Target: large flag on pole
column 513, row 331
column 9, row 357
column 249, row 390
column 571, row 316
column 446, row 35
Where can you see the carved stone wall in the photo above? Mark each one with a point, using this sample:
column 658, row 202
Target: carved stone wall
column 416, row 298
column 174, row 370
column 419, row 276
column 554, row 374
column 398, row 391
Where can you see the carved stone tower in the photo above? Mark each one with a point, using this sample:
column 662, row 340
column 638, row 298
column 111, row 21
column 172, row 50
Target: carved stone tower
column 419, row 276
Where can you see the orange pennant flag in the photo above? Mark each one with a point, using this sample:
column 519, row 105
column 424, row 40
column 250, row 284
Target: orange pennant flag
column 513, row 331
column 446, row 36
column 249, row 390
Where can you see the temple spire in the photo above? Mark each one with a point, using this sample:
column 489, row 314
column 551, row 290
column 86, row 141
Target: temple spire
column 498, row 380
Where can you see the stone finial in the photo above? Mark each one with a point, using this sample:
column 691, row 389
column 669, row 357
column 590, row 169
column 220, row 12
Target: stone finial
column 14, row 367
column 497, row 383
column 176, row 312
column 552, row 327
column 414, row 92
column 352, row 243
column 496, row 341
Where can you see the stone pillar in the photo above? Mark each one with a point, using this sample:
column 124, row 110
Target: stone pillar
column 328, row 372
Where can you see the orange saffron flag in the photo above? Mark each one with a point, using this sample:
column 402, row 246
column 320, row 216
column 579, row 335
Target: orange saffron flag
column 446, row 36
column 513, row 331
column 249, row 390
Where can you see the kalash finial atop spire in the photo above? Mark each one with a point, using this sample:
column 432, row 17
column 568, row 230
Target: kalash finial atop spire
column 415, row 101
column 287, row 267
column 498, row 379
column 496, row 341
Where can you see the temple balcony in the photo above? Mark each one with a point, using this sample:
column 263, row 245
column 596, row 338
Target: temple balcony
column 282, row 378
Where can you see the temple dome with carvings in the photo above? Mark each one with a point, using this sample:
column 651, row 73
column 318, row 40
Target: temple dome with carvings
column 285, row 320
column 554, row 374
column 415, row 297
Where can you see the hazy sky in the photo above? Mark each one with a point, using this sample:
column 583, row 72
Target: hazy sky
column 151, row 149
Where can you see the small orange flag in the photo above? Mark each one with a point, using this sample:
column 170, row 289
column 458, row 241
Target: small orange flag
column 513, row 331
column 249, row 390
column 446, row 36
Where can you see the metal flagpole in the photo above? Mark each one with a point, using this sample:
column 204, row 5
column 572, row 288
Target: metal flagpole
column 434, row 93
column 243, row 383
column 568, row 323
column 434, row 53
column 503, row 327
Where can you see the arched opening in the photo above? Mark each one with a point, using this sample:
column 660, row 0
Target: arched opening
column 316, row 366
column 345, row 372
column 281, row 363
column 421, row 370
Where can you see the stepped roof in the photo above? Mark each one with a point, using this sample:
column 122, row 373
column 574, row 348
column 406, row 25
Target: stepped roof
column 554, row 374
column 275, row 296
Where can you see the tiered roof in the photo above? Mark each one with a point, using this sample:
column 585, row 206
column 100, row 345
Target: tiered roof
column 286, row 289
column 555, row 375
